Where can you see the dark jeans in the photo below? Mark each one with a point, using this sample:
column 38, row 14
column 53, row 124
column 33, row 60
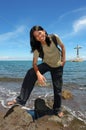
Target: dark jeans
column 30, row 79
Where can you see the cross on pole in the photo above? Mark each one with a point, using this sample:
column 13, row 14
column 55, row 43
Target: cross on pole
column 77, row 49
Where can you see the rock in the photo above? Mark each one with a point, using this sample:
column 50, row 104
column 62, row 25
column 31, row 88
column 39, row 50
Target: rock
column 66, row 94
column 19, row 119
column 54, row 119
column 16, row 118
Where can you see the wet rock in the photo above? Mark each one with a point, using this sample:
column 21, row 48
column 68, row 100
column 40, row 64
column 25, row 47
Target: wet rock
column 16, row 119
column 54, row 119
column 66, row 94
column 19, row 119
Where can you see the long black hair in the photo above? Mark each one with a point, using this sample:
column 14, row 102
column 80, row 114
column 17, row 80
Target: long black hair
column 36, row 45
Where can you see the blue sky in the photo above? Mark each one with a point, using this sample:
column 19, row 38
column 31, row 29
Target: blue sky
column 63, row 17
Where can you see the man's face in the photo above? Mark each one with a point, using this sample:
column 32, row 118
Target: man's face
column 40, row 35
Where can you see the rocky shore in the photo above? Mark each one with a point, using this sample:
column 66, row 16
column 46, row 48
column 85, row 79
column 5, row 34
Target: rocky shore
column 18, row 118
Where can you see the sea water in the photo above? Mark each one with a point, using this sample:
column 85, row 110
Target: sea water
column 74, row 79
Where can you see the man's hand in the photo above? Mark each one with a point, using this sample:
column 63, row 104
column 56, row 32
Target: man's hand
column 41, row 79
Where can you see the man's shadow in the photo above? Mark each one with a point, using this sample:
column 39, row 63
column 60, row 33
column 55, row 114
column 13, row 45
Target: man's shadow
column 40, row 109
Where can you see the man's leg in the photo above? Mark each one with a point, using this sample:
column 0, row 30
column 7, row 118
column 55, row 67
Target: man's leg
column 28, row 84
column 56, row 74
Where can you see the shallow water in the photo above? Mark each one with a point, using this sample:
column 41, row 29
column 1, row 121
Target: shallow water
column 77, row 105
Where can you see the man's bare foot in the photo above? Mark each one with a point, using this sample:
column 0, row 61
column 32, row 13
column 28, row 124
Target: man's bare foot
column 12, row 102
column 60, row 114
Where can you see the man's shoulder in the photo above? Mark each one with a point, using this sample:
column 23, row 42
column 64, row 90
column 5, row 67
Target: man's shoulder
column 53, row 35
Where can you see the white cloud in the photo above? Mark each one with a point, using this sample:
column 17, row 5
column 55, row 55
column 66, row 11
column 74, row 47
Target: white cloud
column 16, row 58
column 72, row 12
column 10, row 35
column 79, row 24
column 4, row 57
